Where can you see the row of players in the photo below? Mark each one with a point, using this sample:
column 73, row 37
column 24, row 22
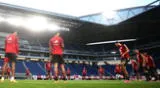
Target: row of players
column 56, row 47
column 144, row 64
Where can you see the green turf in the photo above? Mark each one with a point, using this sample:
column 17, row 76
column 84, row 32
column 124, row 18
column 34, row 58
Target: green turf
column 78, row 84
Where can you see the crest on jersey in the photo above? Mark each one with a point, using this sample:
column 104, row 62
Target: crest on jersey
column 56, row 41
column 10, row 38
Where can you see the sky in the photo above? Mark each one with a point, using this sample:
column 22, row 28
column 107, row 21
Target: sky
column 78, row 7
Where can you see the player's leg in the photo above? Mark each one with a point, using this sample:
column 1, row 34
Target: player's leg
column 69, row 77
column 100, row 75
column 146, row 73
column 154, row 73
column 49, row 74
column 56, row 71
column 61, row 62
column 54, row 61
column 4, row 70
column 137, row 75
column 124, row 70
column 13, row 71
column 63, row 71
column 13, row 64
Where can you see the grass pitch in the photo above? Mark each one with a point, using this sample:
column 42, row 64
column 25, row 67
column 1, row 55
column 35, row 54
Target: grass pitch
column 78, row 84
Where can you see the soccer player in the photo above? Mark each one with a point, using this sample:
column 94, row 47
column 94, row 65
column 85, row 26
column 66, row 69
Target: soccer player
column 141, row 63
column 150, row 64
column 68, row 73
column 56, row 47
column 117, row 71
column 125, row 58
column 48, row 67
column 101, row 72
column 27, row 73
column 11, row 52
column 84, row 73
column 135, row 68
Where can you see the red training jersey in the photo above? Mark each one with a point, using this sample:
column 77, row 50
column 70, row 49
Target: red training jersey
column 149, row 61
column 48, row 66
column 56, row 44
column 139, row 58
column 134, row 65
column 122, row 50
column 11, row 44
column 117, row 69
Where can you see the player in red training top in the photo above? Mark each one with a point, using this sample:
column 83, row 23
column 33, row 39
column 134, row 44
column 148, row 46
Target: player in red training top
column 135, row 68
column 84, row 73
column 56, row 46
column 11, row 52
column 68, row 73
column 117, row 71
column 141, row 63
column 101, row 72
column 125, row 58
column 27, row 73
column 150, row 64
column 48, row 67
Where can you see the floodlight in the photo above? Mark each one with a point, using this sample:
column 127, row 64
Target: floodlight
column 105, row 42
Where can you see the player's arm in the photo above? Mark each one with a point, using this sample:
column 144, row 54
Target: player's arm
column 62, row 43
column 17, row 45
column 127, row 50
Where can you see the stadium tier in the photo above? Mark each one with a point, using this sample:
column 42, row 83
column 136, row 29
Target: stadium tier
column 38, row 68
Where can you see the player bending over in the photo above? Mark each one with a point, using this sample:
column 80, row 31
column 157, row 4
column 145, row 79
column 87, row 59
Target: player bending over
column 56, row 46
column 142, row 69
column 11, row 52
column 150, row 64
column 125, row 58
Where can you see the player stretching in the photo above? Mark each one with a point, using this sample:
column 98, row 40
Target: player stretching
column 11, row 52
column 151, row 66
column 48, row 68
column 124, row 52
column 141, row 63
column 56, row 46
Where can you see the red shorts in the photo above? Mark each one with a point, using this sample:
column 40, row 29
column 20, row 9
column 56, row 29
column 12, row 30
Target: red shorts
column 6, row 60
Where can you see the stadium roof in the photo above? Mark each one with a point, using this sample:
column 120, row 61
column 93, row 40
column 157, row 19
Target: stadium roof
column 83, row 32
column 78, row 7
